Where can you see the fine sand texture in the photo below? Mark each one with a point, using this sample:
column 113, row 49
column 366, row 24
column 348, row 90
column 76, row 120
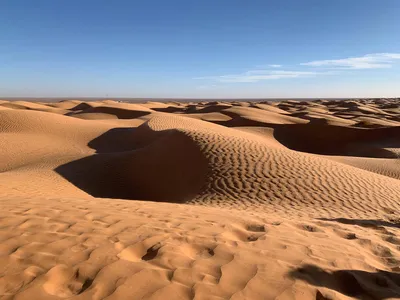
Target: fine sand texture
column 200, row 200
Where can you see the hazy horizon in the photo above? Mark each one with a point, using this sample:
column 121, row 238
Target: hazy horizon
column 166, row 99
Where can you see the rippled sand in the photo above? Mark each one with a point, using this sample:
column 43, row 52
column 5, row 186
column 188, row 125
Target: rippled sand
column 217, row 200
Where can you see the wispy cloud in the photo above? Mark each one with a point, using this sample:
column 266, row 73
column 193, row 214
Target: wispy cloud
column 259, row 75
column 369, row 61
column 329, row 67
column 207, row 87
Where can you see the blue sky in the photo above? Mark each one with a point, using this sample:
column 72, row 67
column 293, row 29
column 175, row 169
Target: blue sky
column 213, row 49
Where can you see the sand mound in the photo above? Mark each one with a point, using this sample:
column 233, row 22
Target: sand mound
column 369, row 122
column 214, row 117
column 338, row 140
column 24, row 105
column 243, row 116
column 231, row 154
column 323, row 118
column 387, row 167
column 68, row 104
column 17, row 121
column 270, row 108
column 170, row 160
column 280, row 200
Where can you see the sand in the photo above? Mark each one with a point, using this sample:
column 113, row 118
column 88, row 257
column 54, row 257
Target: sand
column 210, row 200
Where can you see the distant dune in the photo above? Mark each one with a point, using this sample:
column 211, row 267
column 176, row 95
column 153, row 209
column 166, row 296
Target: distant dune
column 200, row 200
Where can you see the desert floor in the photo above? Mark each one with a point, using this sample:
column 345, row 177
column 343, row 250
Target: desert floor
column 216, row 200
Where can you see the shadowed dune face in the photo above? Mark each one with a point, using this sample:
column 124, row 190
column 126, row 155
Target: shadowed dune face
column 218, row 153
column 377, row 224
column 179, row 159
column 354, row 283
column 266, row 200
column 166, row 167
column 81, row 106
column 118, row 112
column 337, row 140
column 116, row 140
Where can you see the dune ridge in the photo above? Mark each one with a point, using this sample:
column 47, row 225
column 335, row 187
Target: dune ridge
column 223, row 200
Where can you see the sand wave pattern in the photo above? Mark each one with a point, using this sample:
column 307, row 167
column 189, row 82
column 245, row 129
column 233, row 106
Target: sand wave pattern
column 222, row 200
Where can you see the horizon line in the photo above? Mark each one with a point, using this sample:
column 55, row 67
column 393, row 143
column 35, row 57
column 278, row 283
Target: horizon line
column 188, row 98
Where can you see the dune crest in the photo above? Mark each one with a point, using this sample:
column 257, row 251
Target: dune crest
column 208, row 200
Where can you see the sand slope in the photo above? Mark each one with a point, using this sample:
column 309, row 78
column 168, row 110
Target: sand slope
column 280, row 200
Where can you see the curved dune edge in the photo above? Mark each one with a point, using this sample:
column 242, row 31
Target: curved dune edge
column 170, row 166
column 173, row 158
column 279, row 177
column 281, row 206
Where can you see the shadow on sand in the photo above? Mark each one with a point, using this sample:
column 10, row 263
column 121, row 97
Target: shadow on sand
column 354, row 283
column 338, row 140
column 120, row 113
column 134, row 163
column 364, row 223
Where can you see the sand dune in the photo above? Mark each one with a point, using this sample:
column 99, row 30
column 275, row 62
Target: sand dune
column 223, row 200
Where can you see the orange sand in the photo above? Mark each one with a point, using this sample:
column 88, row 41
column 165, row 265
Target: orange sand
column 219, row 200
